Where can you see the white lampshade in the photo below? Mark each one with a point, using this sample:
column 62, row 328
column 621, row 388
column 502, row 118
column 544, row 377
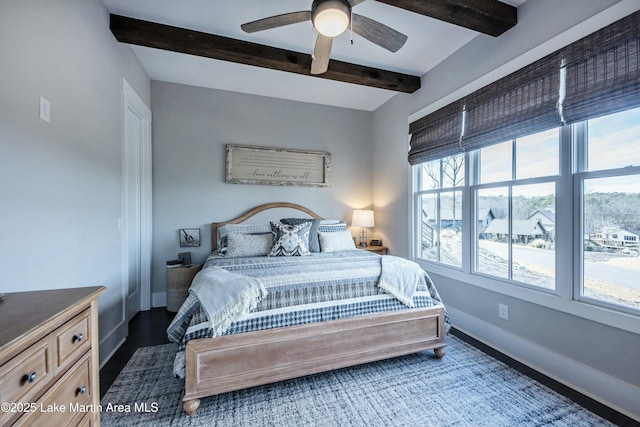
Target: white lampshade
column 331, row 18
column 363, row 218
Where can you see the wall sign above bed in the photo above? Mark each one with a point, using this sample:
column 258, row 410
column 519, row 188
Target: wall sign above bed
column 277, row 166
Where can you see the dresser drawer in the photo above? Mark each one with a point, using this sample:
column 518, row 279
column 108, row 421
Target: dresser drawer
column 23, row 377
column 67, row 401
column 72, row 338
column 87, row 421
column 48, row 353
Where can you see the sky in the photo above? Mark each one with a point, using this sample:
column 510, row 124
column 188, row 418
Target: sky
column 614, row 140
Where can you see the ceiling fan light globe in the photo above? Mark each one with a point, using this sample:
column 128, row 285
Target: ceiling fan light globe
column 331, row 22
column 331, row 17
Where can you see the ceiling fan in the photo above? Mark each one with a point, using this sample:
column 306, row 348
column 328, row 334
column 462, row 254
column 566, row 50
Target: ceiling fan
column 331, row 18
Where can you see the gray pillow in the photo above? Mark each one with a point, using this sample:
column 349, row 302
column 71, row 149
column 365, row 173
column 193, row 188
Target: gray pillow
column 314, row 244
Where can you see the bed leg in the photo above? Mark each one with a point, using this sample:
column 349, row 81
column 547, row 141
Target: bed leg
column 191, row 406
column 440, row 352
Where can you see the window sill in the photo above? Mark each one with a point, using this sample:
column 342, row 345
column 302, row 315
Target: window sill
column 625, row 321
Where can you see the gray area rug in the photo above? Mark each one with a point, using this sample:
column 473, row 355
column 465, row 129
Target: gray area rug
column 465, row 388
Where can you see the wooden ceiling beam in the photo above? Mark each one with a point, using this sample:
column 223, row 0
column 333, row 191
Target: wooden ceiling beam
column 490, row 17
column 175, row 39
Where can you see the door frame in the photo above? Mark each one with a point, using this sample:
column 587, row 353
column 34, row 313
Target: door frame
column 131, row 102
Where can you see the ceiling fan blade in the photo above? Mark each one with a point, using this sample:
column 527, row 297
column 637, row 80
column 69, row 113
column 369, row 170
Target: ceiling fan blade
column 276, row 21
column 378, row 33
column 321, row 54
column 355, row 2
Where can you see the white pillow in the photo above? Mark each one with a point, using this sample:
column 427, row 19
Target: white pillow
column 242, row 245
column 336, row 241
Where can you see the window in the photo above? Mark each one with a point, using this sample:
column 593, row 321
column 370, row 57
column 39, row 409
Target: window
column 515, row 209
column 511, row 191
column 439, row 204
column 610, row 209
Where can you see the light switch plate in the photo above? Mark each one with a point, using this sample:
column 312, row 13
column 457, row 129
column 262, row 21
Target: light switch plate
column 45, row 110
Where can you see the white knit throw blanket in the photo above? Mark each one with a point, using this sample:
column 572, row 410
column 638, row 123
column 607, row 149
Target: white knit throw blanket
column 226, row 296
column 400, row 278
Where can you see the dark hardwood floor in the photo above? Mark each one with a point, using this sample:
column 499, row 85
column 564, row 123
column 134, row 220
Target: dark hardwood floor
column 148, row 328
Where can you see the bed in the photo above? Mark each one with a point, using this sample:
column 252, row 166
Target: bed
column 300, row 315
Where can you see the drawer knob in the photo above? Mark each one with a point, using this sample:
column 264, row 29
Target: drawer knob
column 29, row 378
column 81, row 390
column 77, row 338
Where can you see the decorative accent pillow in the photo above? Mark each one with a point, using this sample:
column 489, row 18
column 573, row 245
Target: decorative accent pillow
column 224, row 230
column 314, row 243
column 244, row 245
column 290, row 240
column 336, row 241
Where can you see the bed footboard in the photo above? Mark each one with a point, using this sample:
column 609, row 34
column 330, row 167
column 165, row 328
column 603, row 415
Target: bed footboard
column 234, row 362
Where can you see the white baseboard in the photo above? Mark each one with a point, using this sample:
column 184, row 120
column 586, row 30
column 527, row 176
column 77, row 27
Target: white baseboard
column 112, row 342
column 613, row 392
column 159, row 299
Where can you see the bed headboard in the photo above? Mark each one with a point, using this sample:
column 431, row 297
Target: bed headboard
column 255, row 211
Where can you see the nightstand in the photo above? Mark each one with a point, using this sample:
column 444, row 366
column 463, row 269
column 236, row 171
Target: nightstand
column 381, row 250
column 178, row 282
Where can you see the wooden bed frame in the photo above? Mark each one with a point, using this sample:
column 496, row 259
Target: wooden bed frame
column 234, row 362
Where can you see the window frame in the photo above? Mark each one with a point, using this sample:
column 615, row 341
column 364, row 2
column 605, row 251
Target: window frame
column 567, row 296
column 418, row 193
column 475, row 186
column 578, row 201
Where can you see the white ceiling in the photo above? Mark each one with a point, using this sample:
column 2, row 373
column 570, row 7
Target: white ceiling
column 430, row 41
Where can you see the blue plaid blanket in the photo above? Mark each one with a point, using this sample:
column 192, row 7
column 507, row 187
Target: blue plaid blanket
column 315, row 288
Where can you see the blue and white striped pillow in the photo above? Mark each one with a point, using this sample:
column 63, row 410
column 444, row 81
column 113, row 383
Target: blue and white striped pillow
column 329, row 227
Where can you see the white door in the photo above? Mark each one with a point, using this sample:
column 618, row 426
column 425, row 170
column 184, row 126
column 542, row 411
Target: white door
column 136, row 230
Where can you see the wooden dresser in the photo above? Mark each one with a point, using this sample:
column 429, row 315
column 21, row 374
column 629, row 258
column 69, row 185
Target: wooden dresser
column 49, row 366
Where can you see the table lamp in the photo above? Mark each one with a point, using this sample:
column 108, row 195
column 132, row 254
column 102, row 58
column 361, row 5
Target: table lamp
column 363, row 218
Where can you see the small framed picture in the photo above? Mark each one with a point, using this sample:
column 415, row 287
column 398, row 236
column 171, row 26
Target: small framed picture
column 189, row 237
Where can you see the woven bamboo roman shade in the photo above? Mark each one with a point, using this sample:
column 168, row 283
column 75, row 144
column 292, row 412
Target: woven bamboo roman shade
column 521, row 103
column 595, row 76
column 437, row 135
column 603, row 71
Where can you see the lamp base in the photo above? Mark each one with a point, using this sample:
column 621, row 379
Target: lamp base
column 363, row 237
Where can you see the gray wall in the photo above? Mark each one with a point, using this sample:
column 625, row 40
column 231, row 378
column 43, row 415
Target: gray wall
column 190, row 129
column 391, row 180
column 543, row 26
column 61, row 182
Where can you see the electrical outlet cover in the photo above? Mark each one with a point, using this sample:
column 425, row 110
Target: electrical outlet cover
column 503, row 311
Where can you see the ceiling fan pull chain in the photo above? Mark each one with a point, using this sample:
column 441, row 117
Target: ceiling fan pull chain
column 351, row 24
